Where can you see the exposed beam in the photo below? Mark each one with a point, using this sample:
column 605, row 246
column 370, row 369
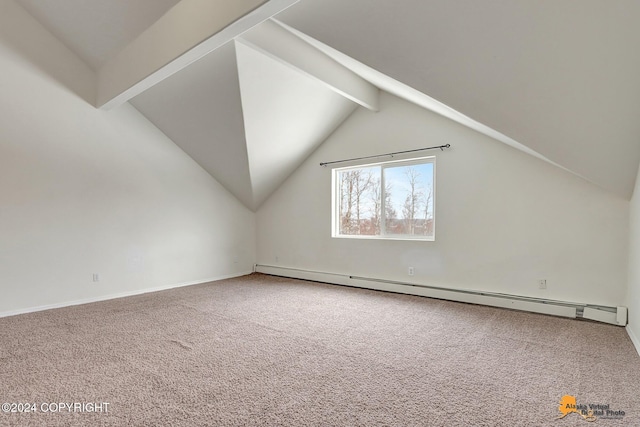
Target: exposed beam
column 187, row 32
column 274, row 40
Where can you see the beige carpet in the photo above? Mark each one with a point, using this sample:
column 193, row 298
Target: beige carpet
column 264, row 351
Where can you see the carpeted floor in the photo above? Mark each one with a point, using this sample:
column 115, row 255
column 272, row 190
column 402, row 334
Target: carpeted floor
column 266, row 351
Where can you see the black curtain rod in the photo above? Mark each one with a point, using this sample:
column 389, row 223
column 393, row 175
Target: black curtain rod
column 441, row 147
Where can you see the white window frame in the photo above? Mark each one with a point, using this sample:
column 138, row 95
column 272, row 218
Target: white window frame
column 335, row 204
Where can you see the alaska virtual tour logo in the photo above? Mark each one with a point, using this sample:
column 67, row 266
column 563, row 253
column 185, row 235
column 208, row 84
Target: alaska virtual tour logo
column 590, row 412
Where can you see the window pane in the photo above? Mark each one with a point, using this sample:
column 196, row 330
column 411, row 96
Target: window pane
column 409, row 199
column 359, row 201
column 386, row 200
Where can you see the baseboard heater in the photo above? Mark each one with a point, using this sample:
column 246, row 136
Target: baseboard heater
column 612, row 315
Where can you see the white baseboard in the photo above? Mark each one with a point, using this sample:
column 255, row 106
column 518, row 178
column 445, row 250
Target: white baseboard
column 634, row 338
column 486, row 298
column 514, row 302
column 117, row 295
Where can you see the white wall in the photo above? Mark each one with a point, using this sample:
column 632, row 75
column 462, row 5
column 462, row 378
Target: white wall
column 633, row 296
column 504, row 219
column 85, row 191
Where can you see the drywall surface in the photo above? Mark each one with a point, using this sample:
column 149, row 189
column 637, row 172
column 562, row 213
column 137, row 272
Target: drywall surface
column 21, row 34
column 633, row 296
column 85, row 192
column 504, row 219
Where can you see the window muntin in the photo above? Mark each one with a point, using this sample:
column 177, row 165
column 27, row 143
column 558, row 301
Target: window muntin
column 388, row 200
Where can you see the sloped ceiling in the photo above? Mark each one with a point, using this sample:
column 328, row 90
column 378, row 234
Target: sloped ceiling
column 559, row 77
column 286, row 115
column 199, row 108
column 96, row 30
column 246, row 118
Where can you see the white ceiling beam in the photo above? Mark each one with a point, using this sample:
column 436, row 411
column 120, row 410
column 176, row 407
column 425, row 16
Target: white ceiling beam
column 276, row 41
column 187, row 32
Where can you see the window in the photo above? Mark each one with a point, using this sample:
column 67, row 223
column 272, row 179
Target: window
column 390, row 200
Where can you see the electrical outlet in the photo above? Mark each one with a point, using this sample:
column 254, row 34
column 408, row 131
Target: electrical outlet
column 542, row 284
column 411, row 271
column 96, row 277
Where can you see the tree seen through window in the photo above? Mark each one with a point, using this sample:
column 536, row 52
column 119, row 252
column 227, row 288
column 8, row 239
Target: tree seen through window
column 388, row 199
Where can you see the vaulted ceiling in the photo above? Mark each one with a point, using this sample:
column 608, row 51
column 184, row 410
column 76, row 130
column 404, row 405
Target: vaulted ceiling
column 555, row 79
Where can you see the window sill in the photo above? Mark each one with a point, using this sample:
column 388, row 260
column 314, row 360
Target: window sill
column 402, row 238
